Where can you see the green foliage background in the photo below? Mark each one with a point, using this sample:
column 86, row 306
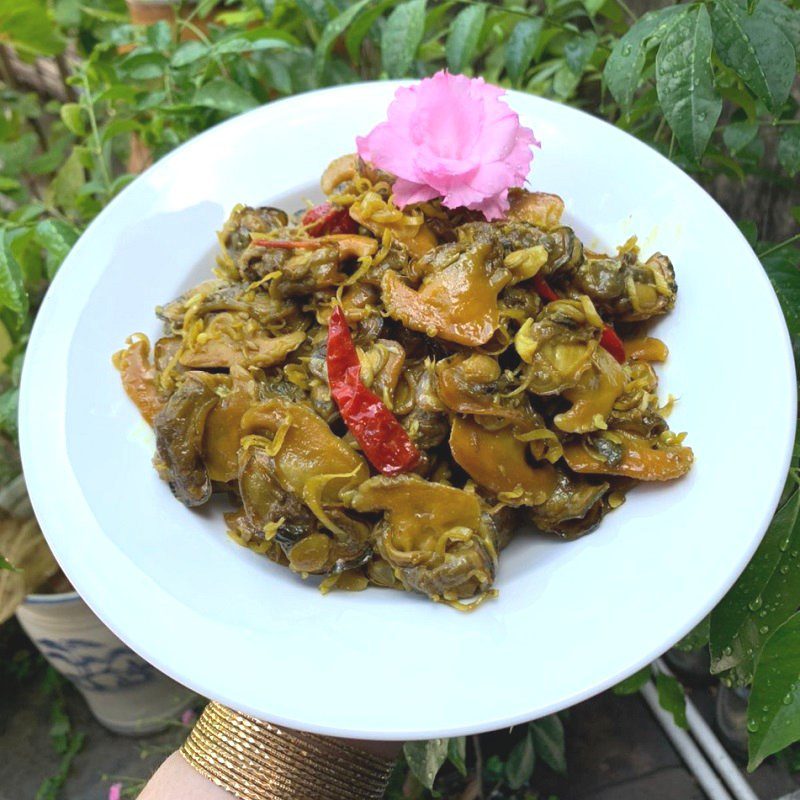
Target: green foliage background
column 710, row 84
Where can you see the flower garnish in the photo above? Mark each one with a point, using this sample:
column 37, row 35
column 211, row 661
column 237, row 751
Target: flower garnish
column 115, row 791
column 452, row 137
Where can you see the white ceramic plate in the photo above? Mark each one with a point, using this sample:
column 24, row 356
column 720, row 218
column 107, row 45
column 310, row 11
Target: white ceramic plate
column 571, row 619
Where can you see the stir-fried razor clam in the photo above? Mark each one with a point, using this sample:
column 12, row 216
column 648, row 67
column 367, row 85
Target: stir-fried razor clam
column 387, row 394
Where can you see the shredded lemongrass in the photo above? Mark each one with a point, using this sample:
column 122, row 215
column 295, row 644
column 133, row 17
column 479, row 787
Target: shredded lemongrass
column 312, row 496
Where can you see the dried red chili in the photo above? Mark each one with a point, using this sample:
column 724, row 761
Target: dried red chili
column 381, row 436
column 611, row 342
column 543, row 289
column 327, row 218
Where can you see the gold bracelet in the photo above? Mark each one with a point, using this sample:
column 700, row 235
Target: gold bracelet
column 256, row 760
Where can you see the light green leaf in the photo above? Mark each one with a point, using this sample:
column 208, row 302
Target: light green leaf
column 57, row 238
column 401, row 37
column 72, row 117
column 243, row 45
column 593, row 6
column 425, row 759
column 224, row 95
column 521, row 48
column 685, row 82
column 737, row 135
column 789, row 149
column 465, row 33
column 521, row 761
column 623, row 70
column 635, row 682
column 12, row 286
column 27, row 27
column 738, row 610
column 333, row 30
column 756, row 49
column 774, row 706
column 457, row 753
column 7, row 565
column 68, row 181
column 548, row 739
column 671, row 698
column 578, row 51
column 188, row 53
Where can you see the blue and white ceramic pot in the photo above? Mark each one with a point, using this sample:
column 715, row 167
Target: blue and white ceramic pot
column 123, row 691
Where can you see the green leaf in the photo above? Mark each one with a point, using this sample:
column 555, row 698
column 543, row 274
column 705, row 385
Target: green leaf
column 224, row 95
column 578, row 51
column 72, row 117
column 737, row 611
column 548, row 739
column 144, row 66
column 787, row 19
column 774, row 707
column 521, row 761
column 12, row 286
column 361, row 26
column 401, row 37
column 672, row 698
column 465, row 33
column 159, row 35
column 333, row 30
column 26, row 26
column 188, row 53
column 425, row 758
column 57, row 238
column 457, row 753
column 781, row 267
column 593, row 6
column 6, row 564
column 68, row 181
column 9, row 412
column 756, row 48
column 623, row 69
column 635, row 682
column 521, row 48
column 243, row 45
column 737, row 135
column 696, row 638
column 789, row 149
column 685, row 82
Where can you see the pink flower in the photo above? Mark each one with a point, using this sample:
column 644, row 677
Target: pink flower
column 115, row 791
column 188, row 717
column 453, row 137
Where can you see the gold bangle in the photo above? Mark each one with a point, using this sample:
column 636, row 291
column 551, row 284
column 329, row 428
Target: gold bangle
column 257, row 760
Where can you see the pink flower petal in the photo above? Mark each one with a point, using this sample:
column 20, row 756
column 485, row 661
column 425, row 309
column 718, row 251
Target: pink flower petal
column 115, row 791
column 453, row 137
column 188, row 717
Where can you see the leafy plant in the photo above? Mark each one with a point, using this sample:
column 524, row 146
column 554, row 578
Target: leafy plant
column 707, row 83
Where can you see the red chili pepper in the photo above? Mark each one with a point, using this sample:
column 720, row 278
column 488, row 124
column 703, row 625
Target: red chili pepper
column 381, row 436
column 611, row 342
column 283, row 244
column 328, row 218
column 543, row 289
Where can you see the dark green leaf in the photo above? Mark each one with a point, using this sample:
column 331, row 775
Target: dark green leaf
column 634, row 682
column 494, row 768
column 333, row 30
column 756, row 48
column 623, row 70
column 787, row 19
column 548, row 739
column 188, row 53
column 224, row 95
column 159, row 35
column 57, row 238
column 685, row 82
column 578, row 51
column 521, row 48
column 784, row 275
column 671, row 698
column 521, row 761
column 315, row 10
column 457, row 753
column 739, row 609
column 774, row 707
column 9, row 411
column 465, row 33
column 401, row 37
column 360, row 28
column 696, row 638
column 12, row 286
column 26, row 25
column 737, row 135
column 789, row 149
column 425, row 758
